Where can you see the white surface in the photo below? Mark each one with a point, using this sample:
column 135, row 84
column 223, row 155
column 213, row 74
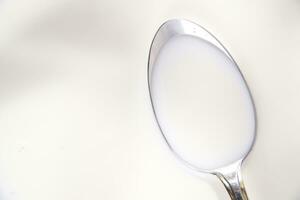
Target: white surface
column 202, row 103
column 75, row 119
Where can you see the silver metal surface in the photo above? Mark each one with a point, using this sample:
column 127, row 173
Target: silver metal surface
column 230, row 175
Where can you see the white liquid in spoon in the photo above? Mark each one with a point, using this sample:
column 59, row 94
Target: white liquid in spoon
column 202, row 103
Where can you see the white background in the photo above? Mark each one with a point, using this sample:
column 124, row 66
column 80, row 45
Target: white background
column 75, row 119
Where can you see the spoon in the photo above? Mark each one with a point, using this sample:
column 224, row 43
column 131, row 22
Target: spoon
column 212, row 149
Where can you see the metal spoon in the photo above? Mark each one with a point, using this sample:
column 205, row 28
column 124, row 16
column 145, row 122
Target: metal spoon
column 230, row 174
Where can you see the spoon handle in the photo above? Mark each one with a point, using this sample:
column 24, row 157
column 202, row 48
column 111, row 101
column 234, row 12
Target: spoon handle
column 232, row 180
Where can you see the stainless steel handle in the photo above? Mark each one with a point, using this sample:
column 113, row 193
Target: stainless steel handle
column 233, row 182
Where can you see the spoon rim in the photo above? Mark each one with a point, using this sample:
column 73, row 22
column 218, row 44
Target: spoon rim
column 187, row 26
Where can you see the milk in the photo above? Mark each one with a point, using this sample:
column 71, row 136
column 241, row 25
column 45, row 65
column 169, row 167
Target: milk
column 202, row 103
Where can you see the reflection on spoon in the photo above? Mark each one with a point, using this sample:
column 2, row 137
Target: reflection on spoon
column 201, row 102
